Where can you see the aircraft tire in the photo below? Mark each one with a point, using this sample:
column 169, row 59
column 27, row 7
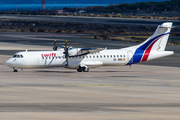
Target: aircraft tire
column 15, row 71
column 80, row 69
column 85, row 69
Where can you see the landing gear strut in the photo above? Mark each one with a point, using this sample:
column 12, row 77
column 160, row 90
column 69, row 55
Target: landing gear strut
column 83, row 69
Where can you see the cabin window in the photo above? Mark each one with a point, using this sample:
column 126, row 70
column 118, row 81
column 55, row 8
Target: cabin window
column 104, row 56
column 107, row 56
column 120, row 55
column 49, row 57
column 114, row 56
column 89, row 56
column 97, row 56
column 86, row 56
column 21, row 56
column 101, row 56
column 18, row 56
column 93, row 56
column 111, row 56
column 42, row 57
column 117, row 55
column 124, row 56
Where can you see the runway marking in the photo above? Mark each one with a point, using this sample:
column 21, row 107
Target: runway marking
column 91, row 85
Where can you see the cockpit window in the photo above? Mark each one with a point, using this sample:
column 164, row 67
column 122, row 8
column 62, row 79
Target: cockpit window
column 18, row 56
column 14, row 56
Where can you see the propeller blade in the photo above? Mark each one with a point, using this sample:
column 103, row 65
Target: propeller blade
column 66, row 48
column 66, row 43
column 54, row 42
column 55, row 46
column 67, row 60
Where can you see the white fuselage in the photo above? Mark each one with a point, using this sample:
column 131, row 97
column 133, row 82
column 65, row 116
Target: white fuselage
column 108, row 57
column 46, row 59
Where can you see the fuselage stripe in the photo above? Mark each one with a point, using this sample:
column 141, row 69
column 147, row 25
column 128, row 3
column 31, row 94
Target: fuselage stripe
column 148, row 50
column 142, row 53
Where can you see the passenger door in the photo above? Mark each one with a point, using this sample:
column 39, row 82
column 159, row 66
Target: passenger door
column 130, row 56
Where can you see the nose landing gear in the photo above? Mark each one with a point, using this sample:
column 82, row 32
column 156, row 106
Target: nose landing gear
column 15, row 69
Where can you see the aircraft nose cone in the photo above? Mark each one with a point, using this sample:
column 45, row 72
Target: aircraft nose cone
column 7, row 62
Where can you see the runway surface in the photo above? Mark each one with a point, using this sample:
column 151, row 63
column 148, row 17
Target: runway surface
column 94, row 20
column 105, row 93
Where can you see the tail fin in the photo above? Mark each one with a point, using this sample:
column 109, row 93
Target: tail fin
column 157, row 42
column 159, row 39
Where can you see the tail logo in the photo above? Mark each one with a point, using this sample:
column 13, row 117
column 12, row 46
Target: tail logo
column 148, row 50
column 142, row 53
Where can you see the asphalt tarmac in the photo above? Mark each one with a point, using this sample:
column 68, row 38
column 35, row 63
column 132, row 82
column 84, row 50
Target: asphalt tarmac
column 93, row 20
column 105, row 93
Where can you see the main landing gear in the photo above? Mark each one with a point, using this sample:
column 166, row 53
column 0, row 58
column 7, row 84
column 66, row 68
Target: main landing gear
column 83, row 69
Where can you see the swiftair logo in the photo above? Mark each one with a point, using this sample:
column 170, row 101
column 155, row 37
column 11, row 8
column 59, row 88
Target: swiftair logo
column 49, row 55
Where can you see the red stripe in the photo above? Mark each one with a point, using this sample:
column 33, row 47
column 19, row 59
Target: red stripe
column 148, row 50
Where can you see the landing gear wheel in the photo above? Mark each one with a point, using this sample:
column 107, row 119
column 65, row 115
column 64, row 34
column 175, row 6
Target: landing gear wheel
column 80, row 69
column 15, row 70
column 85, row 69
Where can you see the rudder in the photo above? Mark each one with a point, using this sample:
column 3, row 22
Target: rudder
column 160, row 37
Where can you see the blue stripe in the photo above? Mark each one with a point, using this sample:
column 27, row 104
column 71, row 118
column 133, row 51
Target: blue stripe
column 144, row 47
column 139, row 51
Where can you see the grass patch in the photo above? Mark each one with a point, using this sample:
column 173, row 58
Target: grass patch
column 137, row 36
column 105, row 37
column 87, row 37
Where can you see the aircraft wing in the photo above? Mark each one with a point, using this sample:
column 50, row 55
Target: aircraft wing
column 85, row 51
column 91, row 50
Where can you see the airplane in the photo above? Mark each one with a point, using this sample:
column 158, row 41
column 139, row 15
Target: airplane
column 84, row 58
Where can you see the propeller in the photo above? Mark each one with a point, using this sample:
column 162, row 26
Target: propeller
column 66, row 48
column 55, row 46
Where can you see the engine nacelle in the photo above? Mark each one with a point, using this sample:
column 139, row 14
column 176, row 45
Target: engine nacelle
column 74, row 51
